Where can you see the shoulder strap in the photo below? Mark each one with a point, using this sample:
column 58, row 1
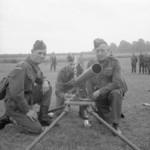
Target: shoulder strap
column 3, row 85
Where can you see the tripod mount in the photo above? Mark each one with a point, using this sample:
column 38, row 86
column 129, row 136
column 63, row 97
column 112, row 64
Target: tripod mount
column 74, row 100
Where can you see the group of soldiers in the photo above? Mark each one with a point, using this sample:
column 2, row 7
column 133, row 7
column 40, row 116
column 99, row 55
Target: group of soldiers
column 144, row 63
column 27, row 86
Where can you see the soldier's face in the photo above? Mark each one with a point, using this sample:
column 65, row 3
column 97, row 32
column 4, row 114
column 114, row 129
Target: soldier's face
column 102, row 52
column 71, row 66
column 38, row 56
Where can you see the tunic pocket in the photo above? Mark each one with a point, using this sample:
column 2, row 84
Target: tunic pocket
column 108, row 71
column 29, row 81
column 31, row 76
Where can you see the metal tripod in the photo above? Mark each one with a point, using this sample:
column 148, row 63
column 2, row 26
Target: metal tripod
column 80, row 102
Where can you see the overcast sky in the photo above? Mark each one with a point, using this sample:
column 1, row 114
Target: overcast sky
column 71, row 25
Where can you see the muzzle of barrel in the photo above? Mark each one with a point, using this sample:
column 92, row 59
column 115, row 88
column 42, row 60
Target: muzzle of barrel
column 88, row 74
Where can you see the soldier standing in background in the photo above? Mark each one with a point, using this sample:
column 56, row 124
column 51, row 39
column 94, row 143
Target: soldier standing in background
column 141, row 63
column 146, row 63
column 53, row 62
column 134, row 61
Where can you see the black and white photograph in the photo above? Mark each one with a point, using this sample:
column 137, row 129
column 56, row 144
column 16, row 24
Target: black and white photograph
column 74, row 75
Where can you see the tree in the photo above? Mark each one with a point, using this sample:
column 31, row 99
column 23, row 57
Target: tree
column 113, row 47
column 139, row 46
column 124, row 46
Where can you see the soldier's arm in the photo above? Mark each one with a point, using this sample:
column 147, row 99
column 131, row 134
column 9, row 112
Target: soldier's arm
column 16, row 88
column 41, row 78
column 89, row 84
column 79, row 72
column 59, row 80
column 60, row 84
column 90, row 88
column 59, row 87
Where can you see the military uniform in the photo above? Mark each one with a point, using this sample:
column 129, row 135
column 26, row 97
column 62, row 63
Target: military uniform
column 112, row 89
column 61, row 87
column 24, row 90
column 146, row 63
column 53, row 62
column 141, row 63
column 134, row 61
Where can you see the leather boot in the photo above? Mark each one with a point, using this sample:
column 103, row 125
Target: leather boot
column 116, row 127
column 4, row 120
column 43, row 117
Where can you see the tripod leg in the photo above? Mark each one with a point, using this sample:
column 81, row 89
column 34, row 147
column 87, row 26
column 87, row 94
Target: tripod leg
column 124, row 139
column 56, row 108
column 66, row 110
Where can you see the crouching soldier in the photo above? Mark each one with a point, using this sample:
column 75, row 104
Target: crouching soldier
column 63, row 87
column 27, row 86
column 107, row 88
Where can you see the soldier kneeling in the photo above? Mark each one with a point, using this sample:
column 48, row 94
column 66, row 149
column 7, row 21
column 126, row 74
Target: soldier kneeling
column 26, row 87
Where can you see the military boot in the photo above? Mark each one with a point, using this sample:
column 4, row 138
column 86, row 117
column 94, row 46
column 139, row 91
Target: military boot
column 43, row 117
column 82, row 113
column 4, row 120
column 116, row 127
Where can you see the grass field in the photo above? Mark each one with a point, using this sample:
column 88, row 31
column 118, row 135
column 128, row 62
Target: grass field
column 71, row 135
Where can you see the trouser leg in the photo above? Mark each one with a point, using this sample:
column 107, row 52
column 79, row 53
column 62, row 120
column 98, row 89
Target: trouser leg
column 25, row 124
column 51, row 67
column 132, row 69
column 139, row 68
column 82, row 112
column 54, row 67
column 115, row 100
column 44, row 101
column 143, row 70
column 103, row 109
column 40, row 98
column 149, row 68
column 59, row 102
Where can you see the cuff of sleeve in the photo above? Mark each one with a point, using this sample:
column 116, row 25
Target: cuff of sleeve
column 101, row 93
column 46, row 80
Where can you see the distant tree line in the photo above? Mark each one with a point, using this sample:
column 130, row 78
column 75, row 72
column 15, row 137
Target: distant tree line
column 126, row 47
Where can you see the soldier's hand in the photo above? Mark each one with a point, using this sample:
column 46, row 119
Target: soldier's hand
column 67, row 95
column 96, row 94
column 45, row 86
column 32, row 115
column 72, row 82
